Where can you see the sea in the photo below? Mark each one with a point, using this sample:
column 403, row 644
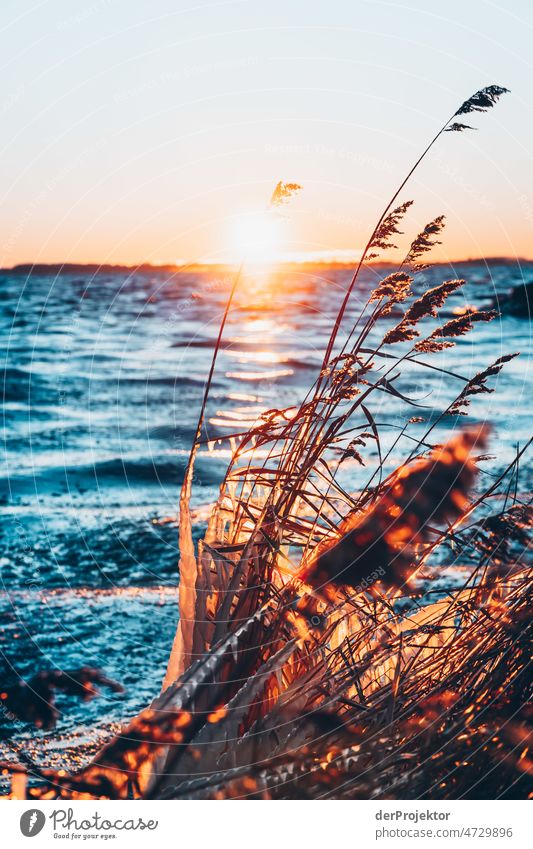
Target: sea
column 103, row 371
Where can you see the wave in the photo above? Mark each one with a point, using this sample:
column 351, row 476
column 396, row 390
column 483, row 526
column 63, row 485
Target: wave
column 156, row 470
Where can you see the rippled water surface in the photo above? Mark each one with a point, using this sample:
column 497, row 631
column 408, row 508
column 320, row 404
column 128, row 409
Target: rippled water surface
column 102, row 379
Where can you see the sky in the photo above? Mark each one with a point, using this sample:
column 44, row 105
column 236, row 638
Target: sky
column 155, row 130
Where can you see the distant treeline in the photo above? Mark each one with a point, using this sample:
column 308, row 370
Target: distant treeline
column 146, row 268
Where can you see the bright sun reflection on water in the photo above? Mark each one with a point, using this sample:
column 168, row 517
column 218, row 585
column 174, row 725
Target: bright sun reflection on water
column 259, row 356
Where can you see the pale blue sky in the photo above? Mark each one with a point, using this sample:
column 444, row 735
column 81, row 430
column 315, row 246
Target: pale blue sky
column 136, row 131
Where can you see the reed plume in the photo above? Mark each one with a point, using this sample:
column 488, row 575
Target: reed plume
column 482, row 100
column 383, row 539
column 424, row 242
column 426, row 305
column 283, row 192
column 478, row 385
column 387, row 229
column 454, row 328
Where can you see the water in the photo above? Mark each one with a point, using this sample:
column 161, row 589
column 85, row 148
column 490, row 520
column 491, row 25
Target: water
column 102, row 380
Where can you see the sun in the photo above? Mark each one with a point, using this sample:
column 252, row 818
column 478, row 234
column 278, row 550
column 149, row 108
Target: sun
column 256, row 237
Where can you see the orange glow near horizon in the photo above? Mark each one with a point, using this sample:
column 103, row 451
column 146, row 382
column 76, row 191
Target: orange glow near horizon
column 264, row 240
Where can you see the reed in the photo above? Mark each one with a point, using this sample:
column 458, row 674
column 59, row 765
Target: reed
column 309, row 660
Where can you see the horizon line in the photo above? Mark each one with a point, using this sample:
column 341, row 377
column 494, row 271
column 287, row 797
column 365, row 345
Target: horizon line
column 182, row 265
